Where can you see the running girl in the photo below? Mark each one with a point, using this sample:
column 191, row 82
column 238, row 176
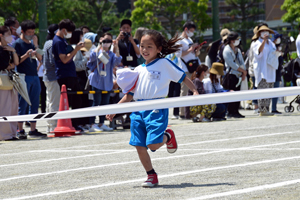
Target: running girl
column 148, row 128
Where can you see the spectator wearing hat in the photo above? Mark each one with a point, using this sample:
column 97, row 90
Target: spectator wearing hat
column 276, row 39
column 65, row 66
column 129, row 49
column 264, row 72
column 187, row 53
column 224, row 34
column 235, row 66
column 49, row 77
column 212, row 84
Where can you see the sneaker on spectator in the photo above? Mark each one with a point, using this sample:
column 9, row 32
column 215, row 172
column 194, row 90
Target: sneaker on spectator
column 95, row 128
column 175, row 117
column 276, row 112
column 172, row 144
column 151, row 181
column 35, row 133
column 205, row 120
column 84, row 129
column 267, row 113
column 22, row 135
column 256, row 111
column 106, row 128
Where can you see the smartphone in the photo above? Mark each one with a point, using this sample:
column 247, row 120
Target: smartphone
column 203, row 43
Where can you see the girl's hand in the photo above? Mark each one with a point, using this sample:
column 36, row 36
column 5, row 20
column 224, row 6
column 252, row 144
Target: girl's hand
column 110, row 117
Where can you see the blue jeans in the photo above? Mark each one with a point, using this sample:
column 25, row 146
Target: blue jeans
column 220, row 111
column 34, row 90
column 274, row 100
column 99, row 99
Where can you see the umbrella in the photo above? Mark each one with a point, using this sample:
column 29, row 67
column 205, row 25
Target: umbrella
column 18, row 80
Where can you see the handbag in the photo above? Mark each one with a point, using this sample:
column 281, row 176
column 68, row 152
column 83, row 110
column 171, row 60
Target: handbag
column 226, row 80
column 5, row 83
column 191, row 65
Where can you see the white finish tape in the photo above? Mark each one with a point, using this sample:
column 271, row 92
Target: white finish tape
column 215, row 98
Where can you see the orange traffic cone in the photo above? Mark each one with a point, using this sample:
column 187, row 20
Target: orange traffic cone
column 64, row 127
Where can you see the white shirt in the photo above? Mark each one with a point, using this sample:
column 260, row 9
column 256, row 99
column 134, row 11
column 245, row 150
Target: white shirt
column 262, row 70
column 186, row 44
column 298, row 45
column 209, row 88
column 155, row 77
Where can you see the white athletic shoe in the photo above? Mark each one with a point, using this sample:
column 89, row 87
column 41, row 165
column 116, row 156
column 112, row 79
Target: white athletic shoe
column 106, row 128
column 175, row 117
column 95, row 128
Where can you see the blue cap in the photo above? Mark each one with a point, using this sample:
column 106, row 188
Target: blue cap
column 274, row 36
column 91, row 36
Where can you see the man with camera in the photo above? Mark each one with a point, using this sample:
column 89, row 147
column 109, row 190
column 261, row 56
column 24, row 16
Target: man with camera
column 128, row 46
column 64, row 64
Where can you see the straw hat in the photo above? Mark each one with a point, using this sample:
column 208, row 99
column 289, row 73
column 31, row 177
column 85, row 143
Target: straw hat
column 217, row 68
column 264, row 28
column 88, row 44
column 224, row 33
column 254, row 32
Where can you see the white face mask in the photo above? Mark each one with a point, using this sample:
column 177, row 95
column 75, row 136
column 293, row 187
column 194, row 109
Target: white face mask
column 189, row 34
column 106, row 44
column 264, row 33
column 279, row 48
column 18, row 31
column 206, row 75
column 278, row 41
column 69, row 35
column 236, row 43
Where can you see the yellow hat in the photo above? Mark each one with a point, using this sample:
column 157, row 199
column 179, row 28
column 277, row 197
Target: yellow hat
column 254, row 32
column 83, row 49
column 217, row 68
column 88, row 44
column 224, row 33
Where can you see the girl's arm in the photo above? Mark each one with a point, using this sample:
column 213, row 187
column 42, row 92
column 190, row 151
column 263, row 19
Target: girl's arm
column 126, row 98
column 190, row 85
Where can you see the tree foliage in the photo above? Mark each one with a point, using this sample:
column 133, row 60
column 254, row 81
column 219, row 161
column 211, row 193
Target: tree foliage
column 149, row 13
column 292, row 8
column 243, row 12
column 93, row 13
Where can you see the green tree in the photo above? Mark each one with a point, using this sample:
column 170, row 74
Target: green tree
column 150, row 13
column 243, row 12
column 292, row 15
column 1, row 21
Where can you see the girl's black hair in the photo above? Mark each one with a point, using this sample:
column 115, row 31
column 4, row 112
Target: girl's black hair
column 76, row 36
column 201, row 68
column 168, row 47
column 51, row 31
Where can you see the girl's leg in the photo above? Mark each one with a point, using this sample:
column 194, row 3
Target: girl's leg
column 144, row 158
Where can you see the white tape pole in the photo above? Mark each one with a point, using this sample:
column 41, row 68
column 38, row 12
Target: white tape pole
column 159, row 104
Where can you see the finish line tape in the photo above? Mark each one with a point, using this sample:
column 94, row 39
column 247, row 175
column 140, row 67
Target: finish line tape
column 203, row 99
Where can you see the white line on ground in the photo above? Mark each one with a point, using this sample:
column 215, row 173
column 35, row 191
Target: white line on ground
column 124, row 142
column 248, row 190
column 255, row 149
column 160, row 177
column 91, row 155
column 137, row 161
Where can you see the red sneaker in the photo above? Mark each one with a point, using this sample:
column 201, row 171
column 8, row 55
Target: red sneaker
column 151, row 181
column 172, row 144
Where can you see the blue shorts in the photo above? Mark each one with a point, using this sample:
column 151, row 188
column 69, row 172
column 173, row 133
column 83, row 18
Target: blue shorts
column 148, row 127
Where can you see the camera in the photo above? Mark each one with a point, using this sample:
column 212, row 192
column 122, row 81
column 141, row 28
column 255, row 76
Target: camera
column 126, row 35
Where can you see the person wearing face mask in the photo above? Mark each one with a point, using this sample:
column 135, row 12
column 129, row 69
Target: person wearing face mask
column 264, row 72
column 188, row 60
column 64, row 64
column 25, row 47
column 277, row 41
column 8, row 98
column 101, row 78
column 212, row 84
column 14, row 27
column 235, row 66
